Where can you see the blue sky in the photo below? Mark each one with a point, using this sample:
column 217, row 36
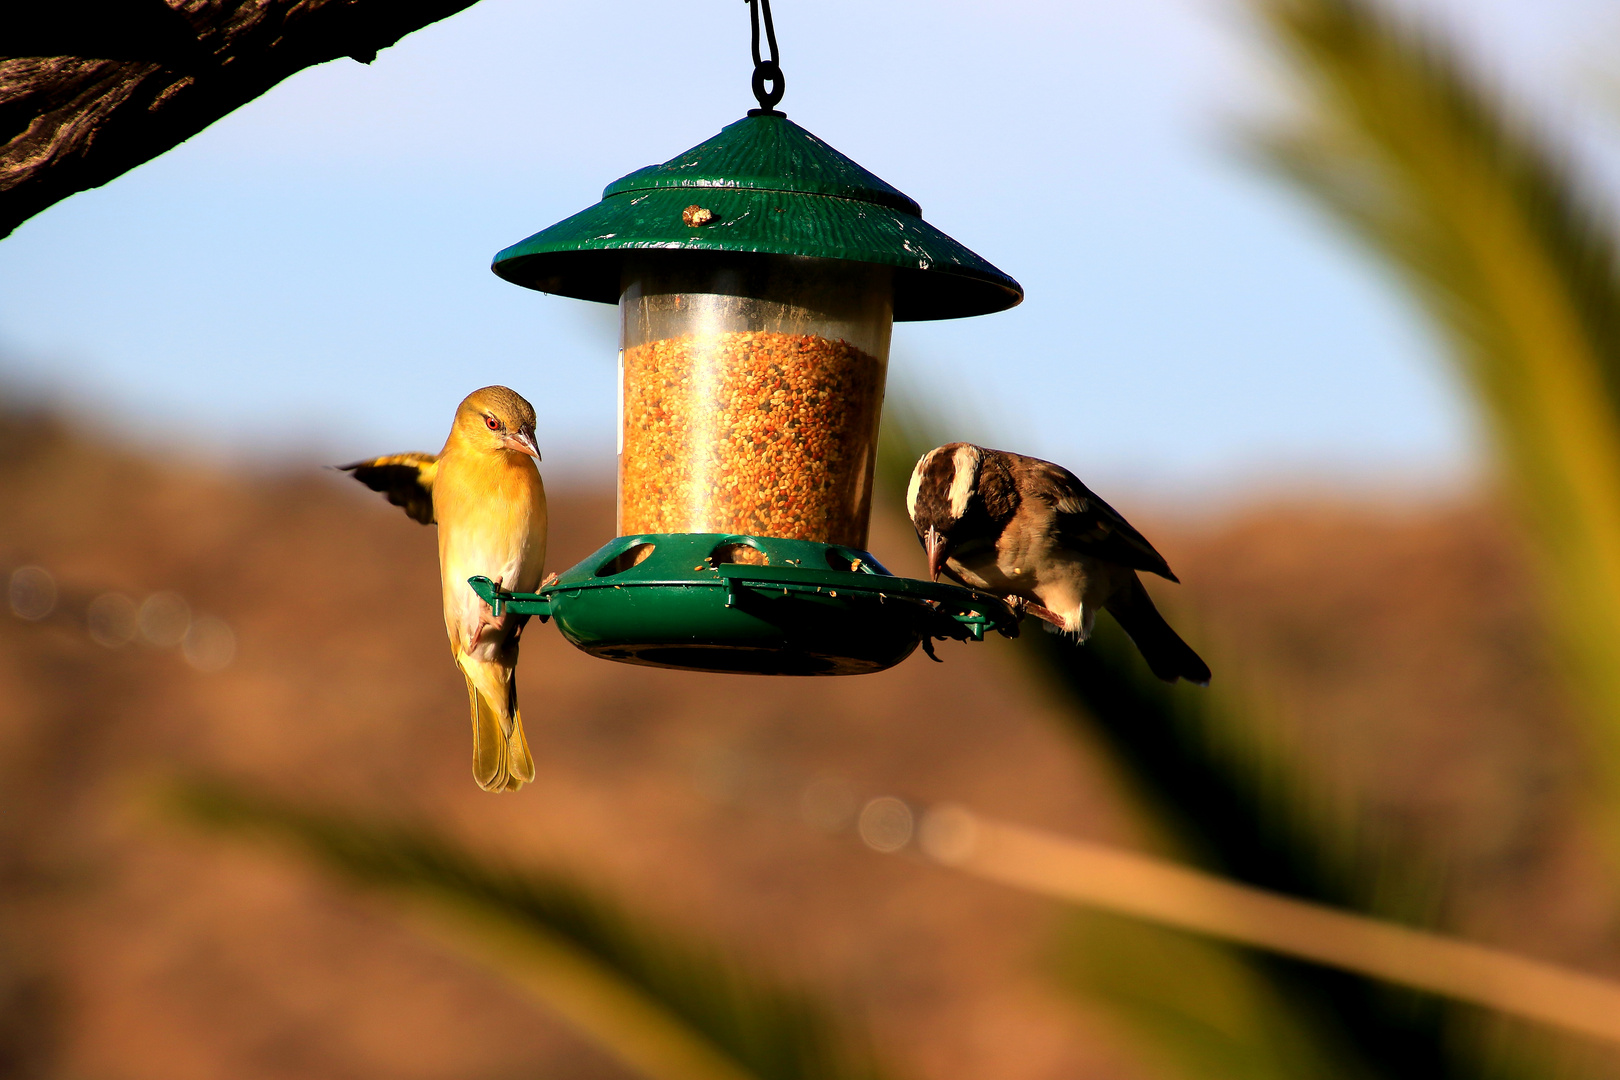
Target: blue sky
column 309, row 278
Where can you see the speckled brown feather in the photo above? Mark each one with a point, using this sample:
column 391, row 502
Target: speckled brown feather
column 1084, row 521
column 997, row 488
column 1030, row 531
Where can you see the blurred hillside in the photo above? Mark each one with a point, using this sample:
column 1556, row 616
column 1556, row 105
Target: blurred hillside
column 1399, row 647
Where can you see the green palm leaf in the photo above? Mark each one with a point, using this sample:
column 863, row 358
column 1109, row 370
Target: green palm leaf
column 668, row 1008
column 1219, row 796
column 1518, row 270
column 1227, row 803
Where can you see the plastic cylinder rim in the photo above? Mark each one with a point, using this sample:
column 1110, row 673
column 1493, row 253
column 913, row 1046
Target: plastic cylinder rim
column 766, row 187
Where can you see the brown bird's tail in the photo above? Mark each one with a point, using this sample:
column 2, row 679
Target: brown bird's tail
column 501, row 758
column 1162, row 648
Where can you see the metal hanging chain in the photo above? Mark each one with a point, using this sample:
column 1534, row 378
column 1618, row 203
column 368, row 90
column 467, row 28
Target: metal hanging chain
column 766, row 71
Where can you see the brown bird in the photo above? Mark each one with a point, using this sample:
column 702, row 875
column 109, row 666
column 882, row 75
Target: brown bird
column 485, row 492
column 1029, row 531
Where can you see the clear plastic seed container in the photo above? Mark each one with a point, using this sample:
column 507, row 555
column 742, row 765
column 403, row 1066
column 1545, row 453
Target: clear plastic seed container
column 750, row 390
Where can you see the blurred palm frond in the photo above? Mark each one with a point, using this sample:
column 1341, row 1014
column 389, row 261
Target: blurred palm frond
column 1518, row 270
column 666, row 1007
column 1198, row 1008
column 1221, row 795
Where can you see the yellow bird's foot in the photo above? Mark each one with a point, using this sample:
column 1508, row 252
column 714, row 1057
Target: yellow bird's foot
column 489, row 628
column 488, row 620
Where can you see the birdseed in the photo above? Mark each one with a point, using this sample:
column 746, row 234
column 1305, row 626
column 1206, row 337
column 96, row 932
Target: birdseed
column 753, row 432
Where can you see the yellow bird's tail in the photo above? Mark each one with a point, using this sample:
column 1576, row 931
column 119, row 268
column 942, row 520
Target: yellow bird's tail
column 501, row 758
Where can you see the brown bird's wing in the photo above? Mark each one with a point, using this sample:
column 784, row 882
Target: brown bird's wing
column 1086, row 523
column 1167, row 655
column 407, row 480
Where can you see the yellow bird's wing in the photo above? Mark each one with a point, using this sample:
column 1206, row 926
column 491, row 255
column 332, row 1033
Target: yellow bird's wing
column 407, row 480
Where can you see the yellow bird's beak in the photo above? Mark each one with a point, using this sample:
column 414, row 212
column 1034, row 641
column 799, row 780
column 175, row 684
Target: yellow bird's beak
column 523, row 442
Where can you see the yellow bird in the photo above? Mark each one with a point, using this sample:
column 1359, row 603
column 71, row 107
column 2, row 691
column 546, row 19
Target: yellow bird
column 485, row 492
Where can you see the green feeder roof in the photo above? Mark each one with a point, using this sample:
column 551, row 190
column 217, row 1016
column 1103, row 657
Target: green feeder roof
column 770, row 187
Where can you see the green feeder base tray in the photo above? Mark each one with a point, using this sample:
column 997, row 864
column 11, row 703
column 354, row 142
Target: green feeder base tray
column 750, row 604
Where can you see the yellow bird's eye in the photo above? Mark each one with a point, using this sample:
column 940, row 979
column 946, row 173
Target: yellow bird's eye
column 492, row 423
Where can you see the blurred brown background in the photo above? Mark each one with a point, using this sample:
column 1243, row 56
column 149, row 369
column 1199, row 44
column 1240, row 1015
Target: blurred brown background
column 1397, row 643
column 1416, row 707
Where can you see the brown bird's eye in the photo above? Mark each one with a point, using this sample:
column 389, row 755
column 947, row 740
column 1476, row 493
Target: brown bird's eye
column 492, row 423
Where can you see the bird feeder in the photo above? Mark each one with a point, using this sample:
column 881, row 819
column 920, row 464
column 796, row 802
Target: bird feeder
column 758, row 276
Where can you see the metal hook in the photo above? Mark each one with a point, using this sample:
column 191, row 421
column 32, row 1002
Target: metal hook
column 765, row 71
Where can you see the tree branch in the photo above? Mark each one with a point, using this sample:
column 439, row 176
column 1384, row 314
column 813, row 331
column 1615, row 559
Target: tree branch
column 120, row 95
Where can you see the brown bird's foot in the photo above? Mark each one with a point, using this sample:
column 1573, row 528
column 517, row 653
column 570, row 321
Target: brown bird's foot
column 1022, row 607
column 1047, row 615
column 551, row 579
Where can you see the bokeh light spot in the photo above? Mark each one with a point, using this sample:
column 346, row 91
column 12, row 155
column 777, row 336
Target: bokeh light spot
column 32, row 593
column 210, row 644
column 886, row 824
column 948, row 834
column 112, row 620
column 165, row 618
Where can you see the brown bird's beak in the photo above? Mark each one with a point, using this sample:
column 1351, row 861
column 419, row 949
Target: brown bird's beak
column 523, row 442
column 934, row 544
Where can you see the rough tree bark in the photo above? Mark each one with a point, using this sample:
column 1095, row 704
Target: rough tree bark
column 89, row 89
